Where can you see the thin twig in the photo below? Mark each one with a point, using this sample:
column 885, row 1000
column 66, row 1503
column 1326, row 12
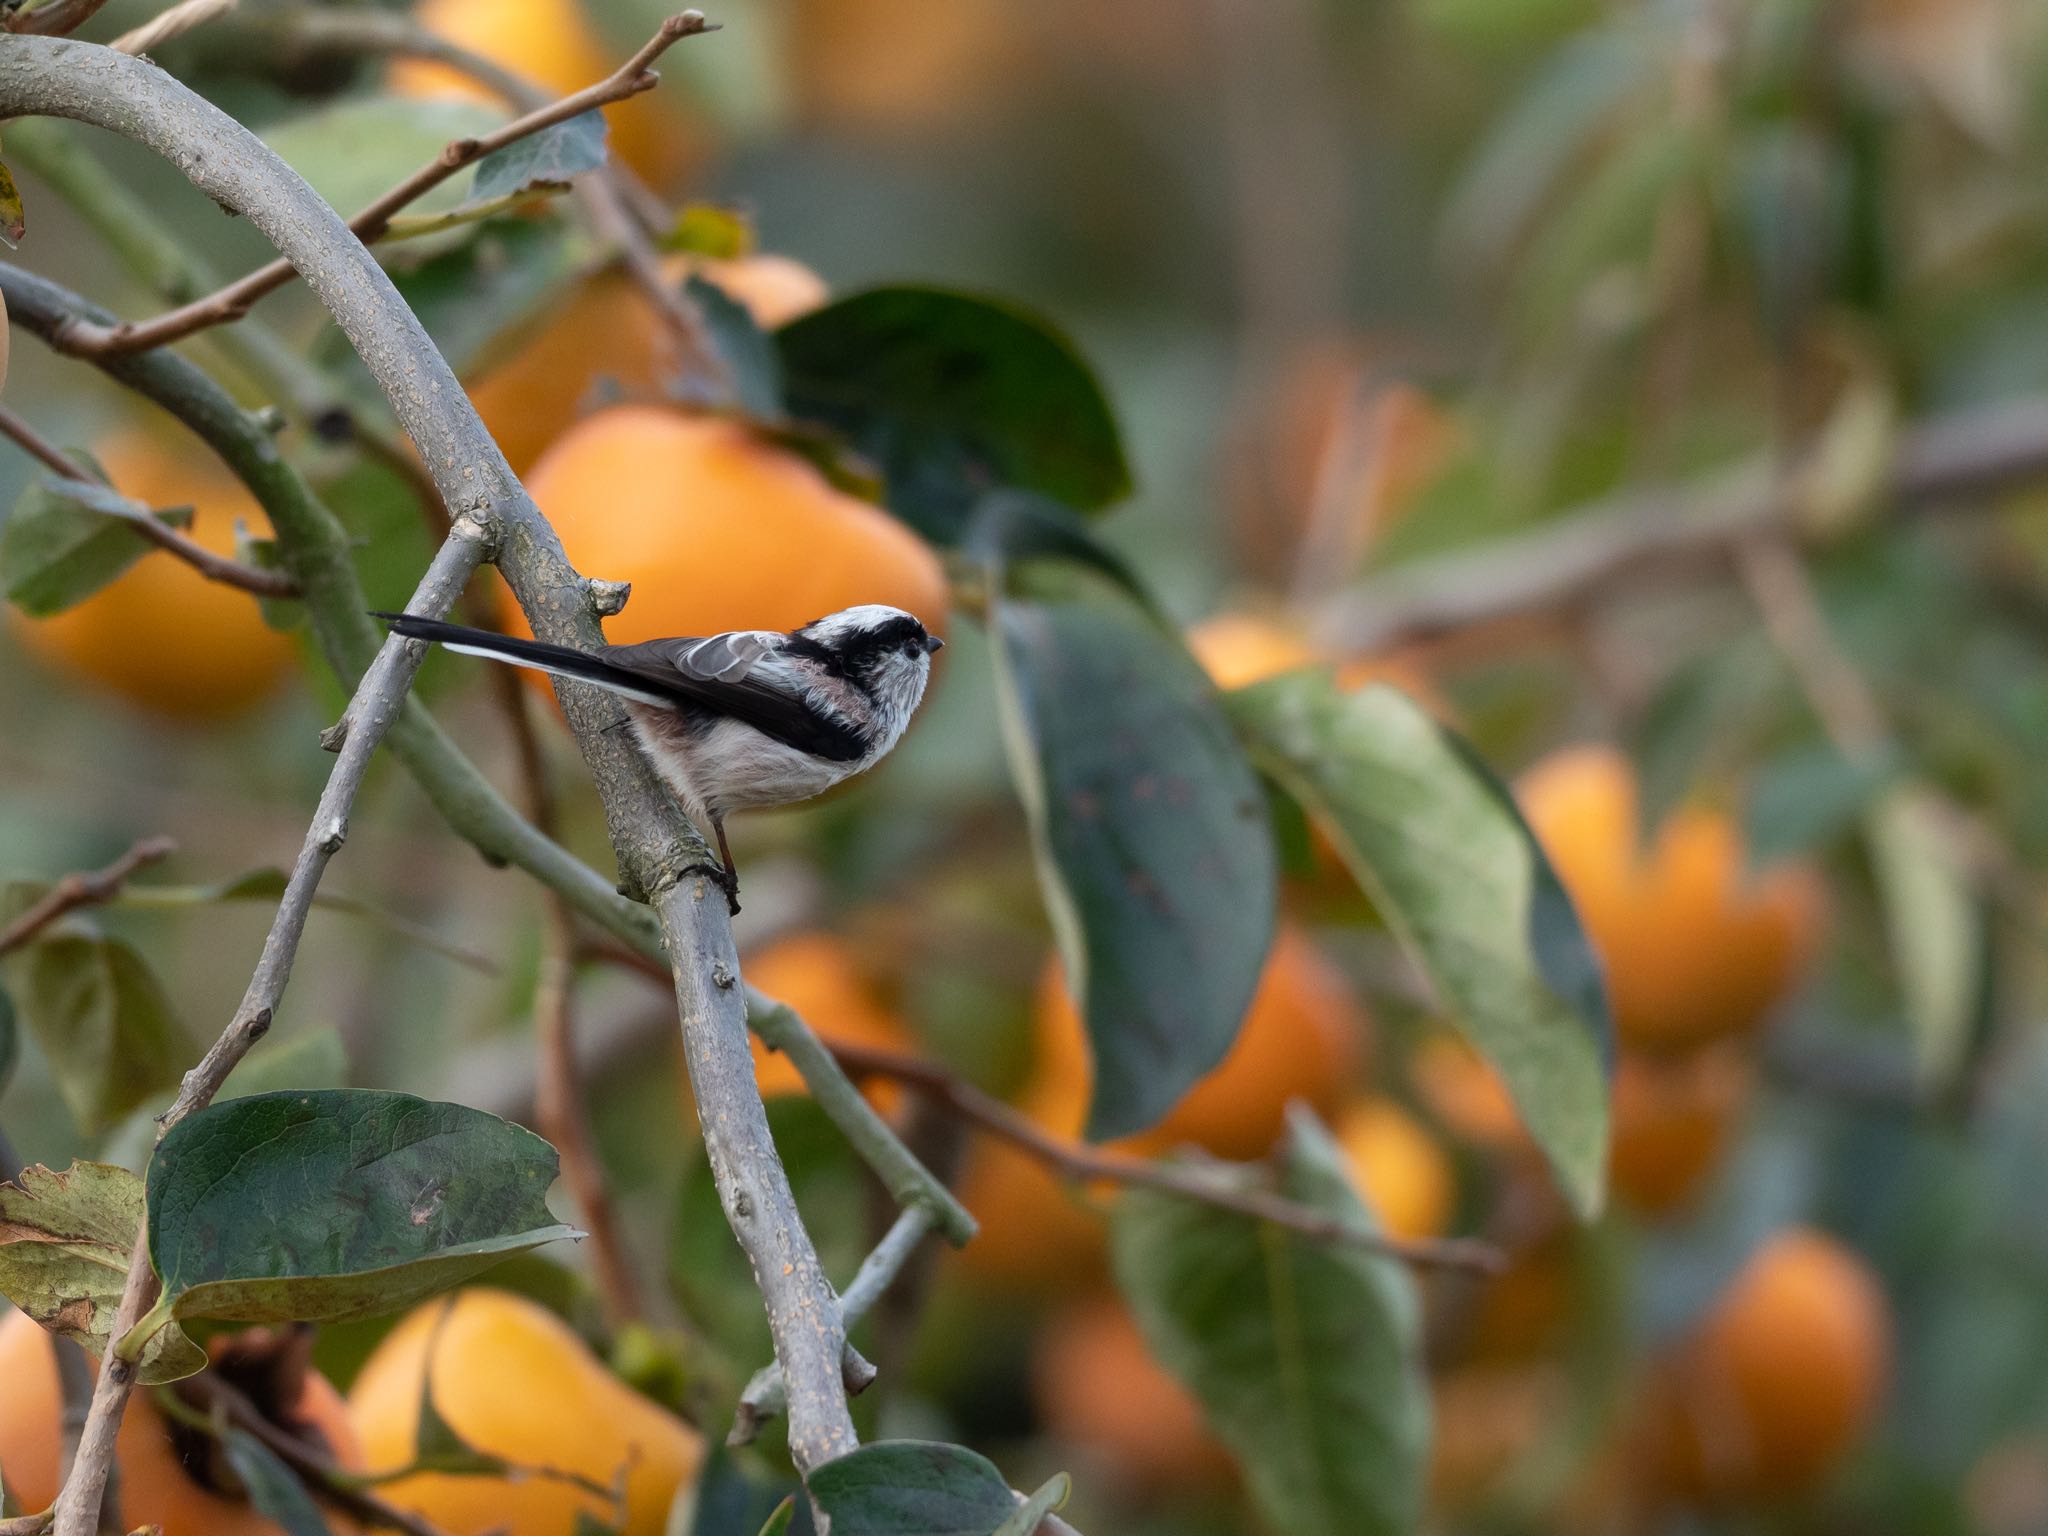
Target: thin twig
column 1085, row 1164
column 370, row 713
column 1950, row 463
column 233, row 301
column 624, row 210
column 764, row 1398
column 83, row 889
column 174, row 22
column 224, row 569
column 1791, row 610
column 54, row 19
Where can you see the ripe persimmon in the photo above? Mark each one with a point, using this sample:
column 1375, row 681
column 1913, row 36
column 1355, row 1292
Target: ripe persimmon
column 1777, row 1382
column 1400, row 1169
column 160, row 635
column 160, row 1484
column 606, row 333
column 820, row 976
column 515, row 1382
column 1695, row 947
column 717, row 528
column 1096, row 1385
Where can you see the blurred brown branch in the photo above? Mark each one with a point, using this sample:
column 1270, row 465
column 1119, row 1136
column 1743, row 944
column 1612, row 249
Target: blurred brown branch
column 214, row 567
column 1946, row 464
column 84, row 889
column 374, row 221
column 54, row 19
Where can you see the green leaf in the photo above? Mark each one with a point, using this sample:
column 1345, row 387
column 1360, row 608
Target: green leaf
column 1934, row 916
column 66, row 539
column 357, row 148
column 1809, row 798
column 1306, row 1357
column 1439, row 846
column 10, row 1040
column 1154, row 848
column 327, row 1205
column 66, row 1240
column 545, row 159
column 912, row 1488
column 747, row 351
column 735, row 1495
column 1008, row 527
column 954, row 395
column 273, row 1487
column 98, row 1013
column 707, row 1268
column 13, row 221
column 1030, row 1515
column 784, row 1517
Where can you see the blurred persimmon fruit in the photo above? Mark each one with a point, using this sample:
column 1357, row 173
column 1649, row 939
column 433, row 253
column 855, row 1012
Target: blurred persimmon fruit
column 156, row 1485
column 1096, row 1385
column 160, row 635
column 551, row 44
column 607, row 336
column 821, row 976
column 717, row 528
column 1695, row 947
column 1776, row 1384
column 515, row 1382
column 894, row 67
column 1402, row 1172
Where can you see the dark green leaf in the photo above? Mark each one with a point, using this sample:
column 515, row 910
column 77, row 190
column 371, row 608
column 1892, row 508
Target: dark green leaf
column 1154, row 846
column 1306, row 1357
column 1008, row 527
column 320, row 1206
column 1440, row 847
column 912, row 1488
column 545, row 159
column 10, row 1039
column 1030, row 1515
column 707, row 1268
column 747, row 351
column 735, row 1495
column 954, row 395
column 97, row 1011
column 65, row 539
column 273, row 1487
column 1810, row 798
column 66, row 1240
column 783, row 1518
column 13, row 221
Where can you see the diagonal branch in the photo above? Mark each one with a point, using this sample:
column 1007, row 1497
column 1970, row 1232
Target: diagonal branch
column 652, row 839
column 93, row 889
column 373, row 222
column 214, row 567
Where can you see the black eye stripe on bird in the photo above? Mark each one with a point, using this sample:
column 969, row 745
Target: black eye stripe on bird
column 748, row 719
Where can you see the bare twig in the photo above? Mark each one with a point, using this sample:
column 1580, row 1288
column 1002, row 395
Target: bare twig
column 370, row 713
column 28, row 1525
column 85, row 889
column 224, row 569
column 54, row 19
column 173, row 22
column 622, row 207
column 1783, row 592
column 1085, row 1164
column 232, row 302
column 1948, row 463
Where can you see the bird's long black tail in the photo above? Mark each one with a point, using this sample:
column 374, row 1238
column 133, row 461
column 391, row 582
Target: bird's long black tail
column 537, row 654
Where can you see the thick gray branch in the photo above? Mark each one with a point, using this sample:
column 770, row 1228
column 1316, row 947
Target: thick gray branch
column 652, row 840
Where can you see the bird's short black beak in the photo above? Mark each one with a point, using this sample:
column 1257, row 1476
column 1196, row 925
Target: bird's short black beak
column 933, row 643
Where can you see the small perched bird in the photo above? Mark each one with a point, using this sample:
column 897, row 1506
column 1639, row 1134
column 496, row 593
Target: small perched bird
column 747, row 719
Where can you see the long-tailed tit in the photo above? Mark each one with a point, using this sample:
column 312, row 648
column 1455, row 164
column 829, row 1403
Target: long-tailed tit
column 747, row 719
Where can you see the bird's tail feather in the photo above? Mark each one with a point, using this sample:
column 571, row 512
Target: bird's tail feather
column 559, row 660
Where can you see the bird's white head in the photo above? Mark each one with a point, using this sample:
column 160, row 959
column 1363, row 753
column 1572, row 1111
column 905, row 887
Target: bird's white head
column 883, row 650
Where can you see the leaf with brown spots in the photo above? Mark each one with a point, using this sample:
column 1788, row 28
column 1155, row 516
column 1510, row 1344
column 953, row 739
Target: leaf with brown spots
column 65, row 1242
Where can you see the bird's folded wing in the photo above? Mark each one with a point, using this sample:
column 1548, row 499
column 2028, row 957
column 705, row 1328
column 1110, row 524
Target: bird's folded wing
column 742, row 675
